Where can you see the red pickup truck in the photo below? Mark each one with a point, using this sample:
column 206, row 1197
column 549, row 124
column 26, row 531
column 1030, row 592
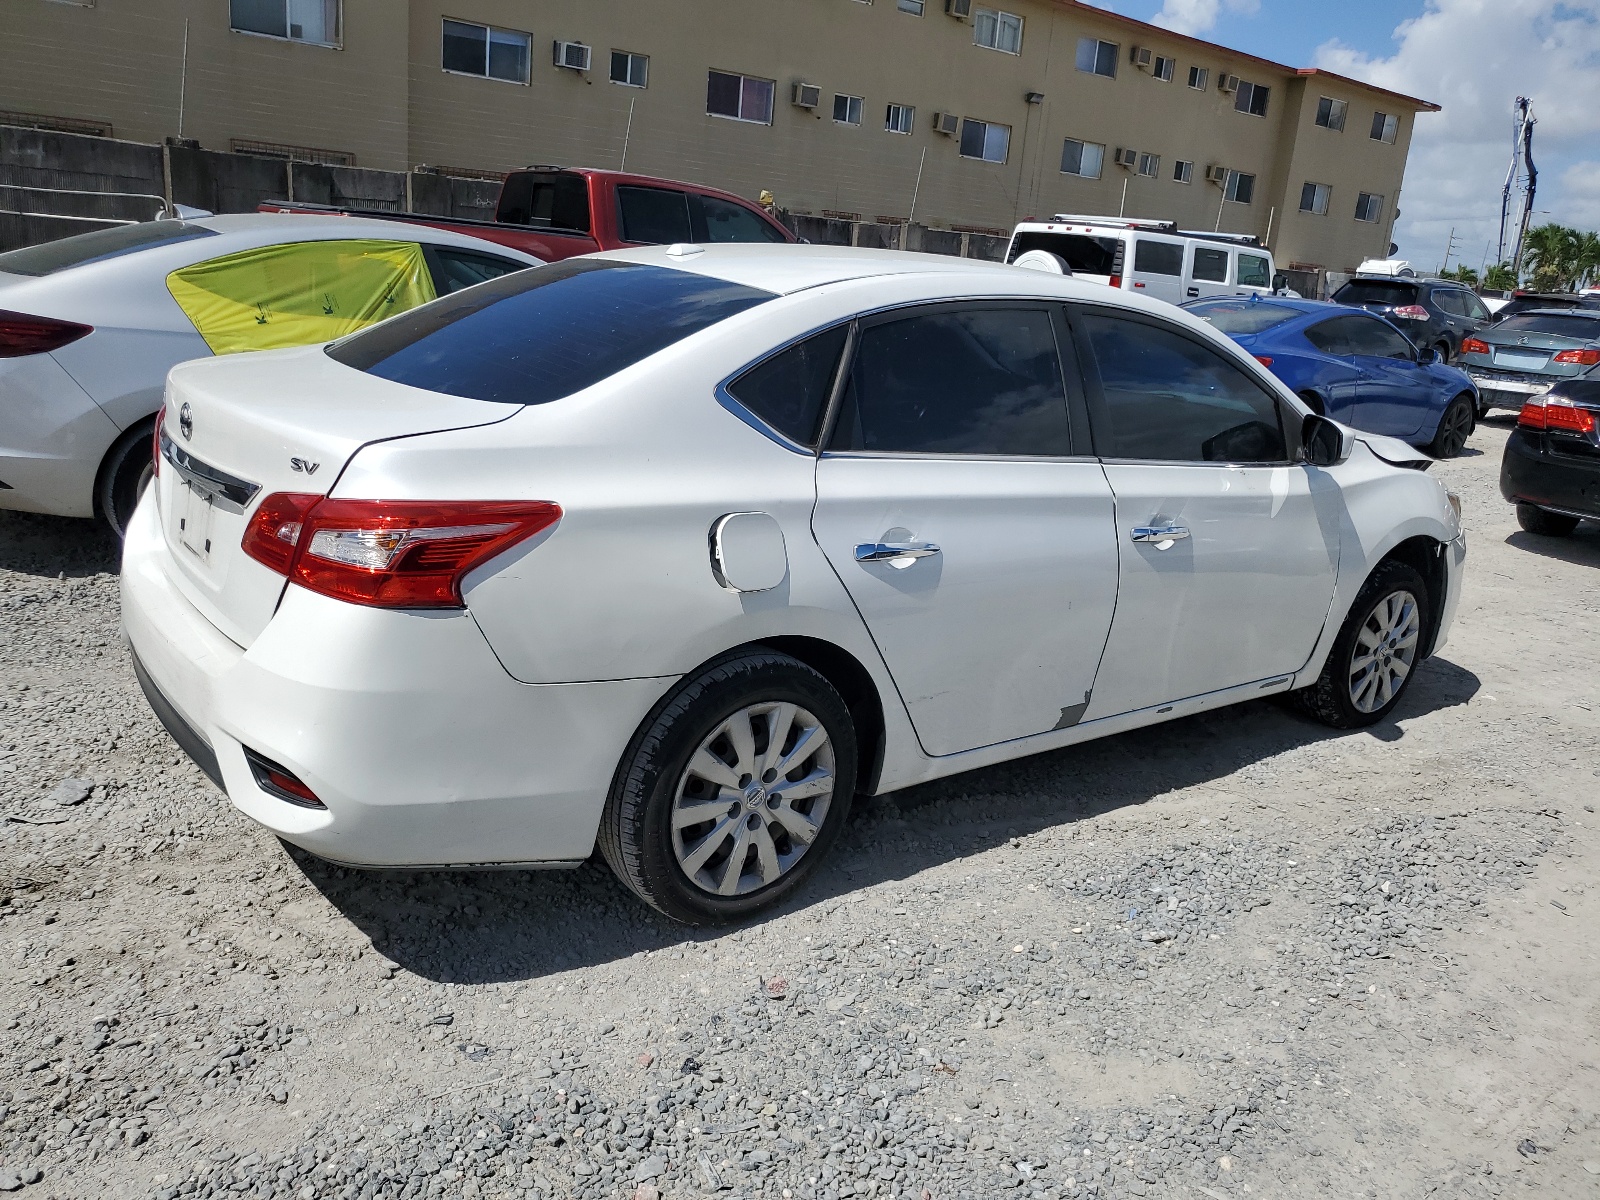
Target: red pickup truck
column 557, row 212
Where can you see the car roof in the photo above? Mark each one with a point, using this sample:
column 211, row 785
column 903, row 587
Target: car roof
column 270, row 228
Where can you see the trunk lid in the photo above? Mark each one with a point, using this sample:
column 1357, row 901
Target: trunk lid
column 241, row 427
column 1533, row 351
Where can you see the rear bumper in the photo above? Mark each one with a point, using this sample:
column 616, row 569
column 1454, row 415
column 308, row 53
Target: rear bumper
column 1529, row 474
column 53, row 437
column 424, row 751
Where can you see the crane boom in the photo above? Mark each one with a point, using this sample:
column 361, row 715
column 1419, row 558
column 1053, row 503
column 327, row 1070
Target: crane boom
column 1522, row 181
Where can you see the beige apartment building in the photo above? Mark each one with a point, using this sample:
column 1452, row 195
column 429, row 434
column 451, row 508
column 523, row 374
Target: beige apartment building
column 955, row 113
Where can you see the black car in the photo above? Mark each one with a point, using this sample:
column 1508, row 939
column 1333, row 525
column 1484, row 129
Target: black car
column 1551, row 468
column 1523, row 301
column 1434, row 313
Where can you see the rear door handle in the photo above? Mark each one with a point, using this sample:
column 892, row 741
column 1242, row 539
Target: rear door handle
column 898, row 554
column 1160, row 536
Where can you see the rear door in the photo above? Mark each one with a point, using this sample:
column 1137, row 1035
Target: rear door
column 973, row 536
column 1209, row 271
column 1158, row 267
column 1394, row 395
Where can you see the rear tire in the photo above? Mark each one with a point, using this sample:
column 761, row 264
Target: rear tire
column 1442, row 349
column 1544, row 522
column 1376, row 654
column 698, row 823
column 124, row 475
column 1455, row 427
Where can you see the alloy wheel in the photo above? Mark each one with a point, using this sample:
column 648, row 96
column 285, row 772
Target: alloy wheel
column 1385, row 650
column 1457, row 429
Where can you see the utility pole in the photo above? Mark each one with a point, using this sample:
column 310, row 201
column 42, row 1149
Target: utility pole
column 1449, row 249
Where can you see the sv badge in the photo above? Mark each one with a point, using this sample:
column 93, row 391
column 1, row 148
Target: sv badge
column 300, row 464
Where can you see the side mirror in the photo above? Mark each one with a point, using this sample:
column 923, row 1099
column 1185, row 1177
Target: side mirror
column 1324, row 443
column 1427, row 357
column 1280, row 282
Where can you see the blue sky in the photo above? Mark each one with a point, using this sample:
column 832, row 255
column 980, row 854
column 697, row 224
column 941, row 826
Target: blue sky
column 1289, row 31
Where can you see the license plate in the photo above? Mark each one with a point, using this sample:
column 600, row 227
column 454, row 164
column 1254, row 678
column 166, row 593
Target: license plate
column 194, row 522
column 1519, row 362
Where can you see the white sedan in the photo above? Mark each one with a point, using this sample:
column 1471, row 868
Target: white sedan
column 90, row 325
column 677, row 550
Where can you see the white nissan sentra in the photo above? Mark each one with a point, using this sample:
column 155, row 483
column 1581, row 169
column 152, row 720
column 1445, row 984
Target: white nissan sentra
column 679, row 549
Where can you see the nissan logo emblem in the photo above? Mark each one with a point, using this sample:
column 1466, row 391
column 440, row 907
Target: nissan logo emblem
column 186, row 421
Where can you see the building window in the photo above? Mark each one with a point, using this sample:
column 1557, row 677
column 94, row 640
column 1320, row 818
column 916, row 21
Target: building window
column 1097, row 57
column 485, row 51
column 630, row 70
column 1199, row 78
column 1368, row 207
column 739, row 97
column 1182, row 172
column 1330, row 113
column 985, row 140
column 1083, row 159
column 315, row 21
column 1162, row 69
column 1252, row 99
column 914, row 7
column 1240, row 187
column 997, row 30
column 1314, row 199
column 900, row 118
column 1384, row 127
column 847, row 110
column 1150, row 164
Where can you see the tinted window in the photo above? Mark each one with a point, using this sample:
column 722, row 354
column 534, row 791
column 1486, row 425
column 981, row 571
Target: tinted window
column 456, row 269
column 1210, row 265
column 1377, row 340
column 535, row 336
column 1559, row 324
column 1252, row 271
column 974, row 381
column 1241, row 316
column 1089, row 255
column 545, row 201
column 1332, row 337
column 1169, row 399
column 790, row 390
column 1158, row 258
column 1366, row 291
column 83, row 248
column 1477, row 310
column 729, row 222
column 654, row 215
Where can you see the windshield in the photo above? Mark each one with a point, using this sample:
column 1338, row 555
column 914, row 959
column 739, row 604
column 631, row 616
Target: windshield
column 538, row 335
column 1241, row 316
column 1084, row 254
column 102, row 244
column 1364, row 291
column 1559, row 324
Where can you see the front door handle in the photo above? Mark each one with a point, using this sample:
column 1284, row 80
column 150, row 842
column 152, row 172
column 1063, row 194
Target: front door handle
column 1160, row 536
column 897, row 554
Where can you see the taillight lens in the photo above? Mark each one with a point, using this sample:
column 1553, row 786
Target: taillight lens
column 1474, row 346
column 1582, row 358
column 1264, row 360
column 1557, row 414
column 1410, row 312
column 22, row 334
column 388, row 553
column 1115, row 281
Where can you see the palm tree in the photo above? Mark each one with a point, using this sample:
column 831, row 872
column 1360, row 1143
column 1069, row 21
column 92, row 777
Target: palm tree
column 1551, row 257
column 1587, row 255
column 1499, row 278
column 1461, row 273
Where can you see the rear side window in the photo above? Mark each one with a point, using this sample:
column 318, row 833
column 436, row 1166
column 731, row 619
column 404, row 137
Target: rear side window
column 1210, row 265
column 957, row 381
column 545, row 200
column 1450, row 301
column 1084, row 254
column 456, row 269
column 85, row 248
column 1331, row 337
column 729, row 222
column 1374, row 339
column 1366, row 291
column 1241, row 316
column 536, row 336
column 1158, row 258
column 790, row 390
column 1558, row 324
column 654, row 215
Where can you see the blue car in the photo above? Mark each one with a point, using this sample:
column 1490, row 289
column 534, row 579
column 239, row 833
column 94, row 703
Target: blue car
column 1353, row 367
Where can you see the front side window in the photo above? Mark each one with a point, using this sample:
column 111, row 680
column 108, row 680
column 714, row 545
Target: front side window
column 1240, row 188
column 1097, row 57
column 1150, row 164
column 1384, row 127
column 985, row 140
column 739, row 97
column 1084, row 159
column 1314, row 198
column 1368, row 207
column 1162, row 69
column 730, row 222
column 1250, row 270
column 1330, row 113
column 1169, row 399
column 900, row 118
column 532, row 337
column 655, row 216
column 1252, row 98
column 957, row 381
column 482, row 50
column 789, row 391
column 630, row 70
column 1199, row 78
column 297, row 20
column 1210, row 265
column 1182, row 172
column 997, row 30
column 1158, row 258
column 847, row 110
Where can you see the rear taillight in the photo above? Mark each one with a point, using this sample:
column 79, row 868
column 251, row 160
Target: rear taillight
column 388, row 553
column 1474, row 346
column 21, row 334
column 1264, row 360
column 1582, row 358
column 1116, row 281
column 1410, row 312
column 1557, row 414
column 155, row 443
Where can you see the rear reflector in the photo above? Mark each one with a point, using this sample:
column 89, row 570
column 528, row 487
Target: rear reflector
column 388, row 553
column 22, row 334
column 1583, row 358
column 279, row 781
column 1472, row 345
column 1410, row 312
column 1557, row 414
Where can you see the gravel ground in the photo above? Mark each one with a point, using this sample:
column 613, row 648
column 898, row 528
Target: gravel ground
column 1240, row 955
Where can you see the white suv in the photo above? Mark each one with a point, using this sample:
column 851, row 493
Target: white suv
column 680, row 548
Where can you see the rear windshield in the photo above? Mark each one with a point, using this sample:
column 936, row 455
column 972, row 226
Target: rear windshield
column 538, row 335
column 84, row 248
column 1084, row 254
column 1586, row 328
column 1241, row 316
column 545, row 200
column 1368, row 292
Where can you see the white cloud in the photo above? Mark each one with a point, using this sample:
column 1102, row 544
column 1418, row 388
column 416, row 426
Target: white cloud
column 1197, row 16
column 1475, row 57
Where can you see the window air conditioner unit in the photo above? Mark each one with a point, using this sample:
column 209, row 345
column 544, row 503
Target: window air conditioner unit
column 1227, row 83
column 946, row 123
column 1143, row 57
column 1127, row 158
column 959, row 9
column 807, row 95
column 1216, row 174
column 574, row 56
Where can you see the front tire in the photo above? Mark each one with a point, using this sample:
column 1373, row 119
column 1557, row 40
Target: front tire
column 1375, row 655
column 1455, row 427
column 124, row 475
column 733, row 791
column 1544, row 522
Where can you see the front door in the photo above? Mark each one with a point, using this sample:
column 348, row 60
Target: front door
column 1228, row 549
column 979, row 549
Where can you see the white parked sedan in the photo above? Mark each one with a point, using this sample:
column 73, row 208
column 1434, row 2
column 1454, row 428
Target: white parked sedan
column 90, row 325
column 679, row 549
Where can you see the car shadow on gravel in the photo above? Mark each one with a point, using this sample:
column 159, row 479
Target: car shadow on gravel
column 487, row 927
column 63, row 547
column 1581, row 547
